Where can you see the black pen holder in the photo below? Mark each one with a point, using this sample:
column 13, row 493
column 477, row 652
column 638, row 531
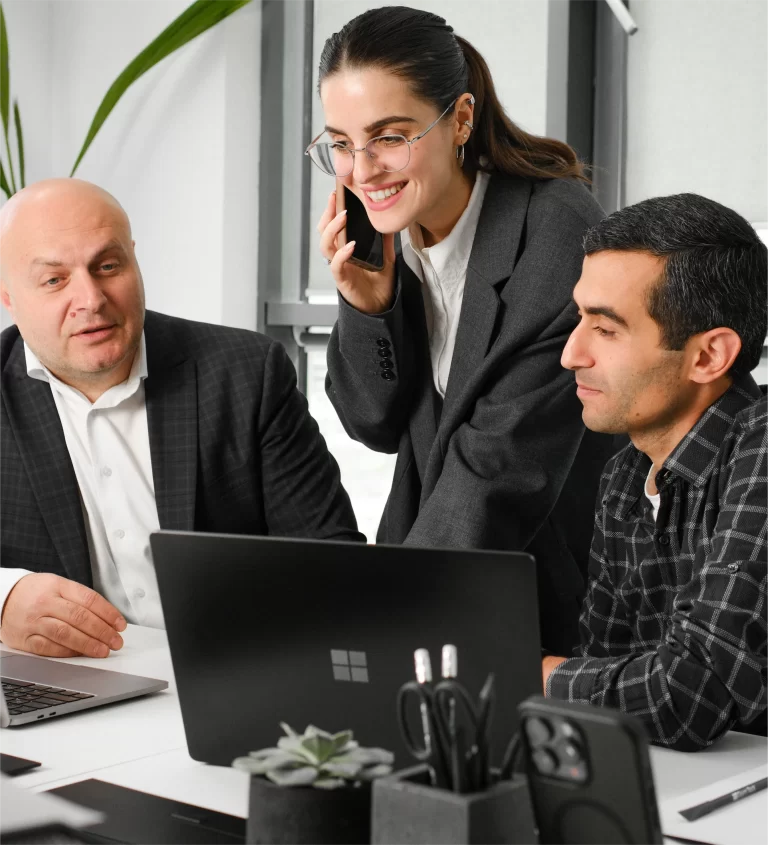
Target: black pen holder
column 407, row 809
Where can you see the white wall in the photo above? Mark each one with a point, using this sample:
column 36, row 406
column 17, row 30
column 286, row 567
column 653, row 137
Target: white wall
column 180, row 151
column 515, row 37
column 698, row 102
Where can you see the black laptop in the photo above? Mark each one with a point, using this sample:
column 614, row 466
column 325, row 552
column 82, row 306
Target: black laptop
column 264, row 630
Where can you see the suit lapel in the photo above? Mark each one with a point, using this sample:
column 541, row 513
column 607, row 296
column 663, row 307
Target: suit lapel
column 492, row 260
column 171, row 395
column 37, row 430
column 423, row 422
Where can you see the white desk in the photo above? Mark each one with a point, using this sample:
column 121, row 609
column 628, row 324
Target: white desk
column 84, row 743
column 140, row 744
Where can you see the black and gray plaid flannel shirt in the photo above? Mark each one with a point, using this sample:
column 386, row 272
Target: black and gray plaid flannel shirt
column 673, row 628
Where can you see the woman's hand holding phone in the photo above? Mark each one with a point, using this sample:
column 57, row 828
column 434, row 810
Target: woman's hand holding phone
column 368, row 291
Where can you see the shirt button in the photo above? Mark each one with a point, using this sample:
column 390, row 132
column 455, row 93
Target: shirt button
column 385, row 353
column 119, row 533
column 386, row 364
column 139, row 593
column 106, row 472
column 733, row 568
column 388, row 375
column 664, row 540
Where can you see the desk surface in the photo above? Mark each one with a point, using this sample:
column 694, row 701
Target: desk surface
column 140, row 744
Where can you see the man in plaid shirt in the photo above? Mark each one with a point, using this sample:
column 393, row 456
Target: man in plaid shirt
column 672, row 300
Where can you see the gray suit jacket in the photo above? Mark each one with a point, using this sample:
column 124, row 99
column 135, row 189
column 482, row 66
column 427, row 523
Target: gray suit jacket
column 506, row 462
column 233, row 449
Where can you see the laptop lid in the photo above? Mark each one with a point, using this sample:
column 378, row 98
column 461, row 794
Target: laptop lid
column 264, row 630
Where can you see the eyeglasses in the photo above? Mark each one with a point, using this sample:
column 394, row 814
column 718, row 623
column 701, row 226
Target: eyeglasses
column 388, row 152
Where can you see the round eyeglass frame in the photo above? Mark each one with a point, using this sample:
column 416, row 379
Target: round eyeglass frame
column 370, row 155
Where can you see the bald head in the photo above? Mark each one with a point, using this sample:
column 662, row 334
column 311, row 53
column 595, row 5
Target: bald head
column 69, row 278
column 55, row 204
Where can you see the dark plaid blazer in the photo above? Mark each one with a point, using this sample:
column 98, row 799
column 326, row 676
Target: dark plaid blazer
column 233, row 449
column 505, row 462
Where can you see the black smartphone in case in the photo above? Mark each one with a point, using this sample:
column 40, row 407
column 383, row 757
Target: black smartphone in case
column 589, row 774
column 369, row 244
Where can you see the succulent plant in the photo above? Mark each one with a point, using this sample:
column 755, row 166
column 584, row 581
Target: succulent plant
column 317, row 758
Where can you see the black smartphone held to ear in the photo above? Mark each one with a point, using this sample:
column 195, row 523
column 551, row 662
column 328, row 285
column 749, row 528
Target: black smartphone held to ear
column 589, row 774
column 369, row 244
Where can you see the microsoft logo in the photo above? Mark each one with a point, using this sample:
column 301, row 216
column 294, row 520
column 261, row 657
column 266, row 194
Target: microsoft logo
column 349, row 665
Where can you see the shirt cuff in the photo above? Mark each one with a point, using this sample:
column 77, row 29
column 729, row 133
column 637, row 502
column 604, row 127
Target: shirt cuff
column 574, row 679
column 8, row 580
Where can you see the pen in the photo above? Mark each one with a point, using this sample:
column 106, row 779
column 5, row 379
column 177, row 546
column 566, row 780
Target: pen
column 483, row 732
column 693, row 813
column 424, row 677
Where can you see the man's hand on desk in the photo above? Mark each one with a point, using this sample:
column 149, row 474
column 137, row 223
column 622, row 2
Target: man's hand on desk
column 549, row 663
column 55, row 617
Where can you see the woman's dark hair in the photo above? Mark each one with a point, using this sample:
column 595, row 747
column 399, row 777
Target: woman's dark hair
column 715, row 269
column 439, row 67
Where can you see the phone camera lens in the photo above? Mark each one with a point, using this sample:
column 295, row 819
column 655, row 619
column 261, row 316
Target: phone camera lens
column 571, row 753
column 538, row 731
column 545, row 761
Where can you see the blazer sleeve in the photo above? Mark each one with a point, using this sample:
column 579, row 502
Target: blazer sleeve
column 372, row 407
column 505, row 466
column 303, row 494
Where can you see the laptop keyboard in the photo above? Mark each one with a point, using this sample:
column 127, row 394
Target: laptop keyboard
column 24, row 697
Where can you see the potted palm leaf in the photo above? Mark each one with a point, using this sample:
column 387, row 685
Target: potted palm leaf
column 313, row 787
column 197, row 18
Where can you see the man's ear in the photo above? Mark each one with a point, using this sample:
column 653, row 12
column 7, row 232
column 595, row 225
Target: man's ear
column 5, row 298
column 713, row 354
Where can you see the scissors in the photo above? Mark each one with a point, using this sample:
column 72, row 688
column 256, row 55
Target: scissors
column 432, row 749
column 466, row 725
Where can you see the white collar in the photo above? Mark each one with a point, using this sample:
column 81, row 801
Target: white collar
column 37, row 370
column 458, row 244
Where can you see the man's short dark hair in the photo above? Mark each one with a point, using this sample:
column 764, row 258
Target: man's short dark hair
column 715, row 269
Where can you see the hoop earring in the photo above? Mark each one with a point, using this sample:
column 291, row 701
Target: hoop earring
column 460, row 154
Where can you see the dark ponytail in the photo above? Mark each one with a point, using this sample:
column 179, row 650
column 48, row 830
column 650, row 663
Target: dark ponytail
column 497, row 139
column 439, row 66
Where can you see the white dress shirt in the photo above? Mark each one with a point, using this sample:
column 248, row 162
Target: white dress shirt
column 108, row 443
column 654, row 499
column 442, row 269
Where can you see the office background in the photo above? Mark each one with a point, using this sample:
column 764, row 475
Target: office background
column 205, row 151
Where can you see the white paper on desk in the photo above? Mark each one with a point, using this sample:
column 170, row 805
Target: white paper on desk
column 744, row 822
column 22, row 810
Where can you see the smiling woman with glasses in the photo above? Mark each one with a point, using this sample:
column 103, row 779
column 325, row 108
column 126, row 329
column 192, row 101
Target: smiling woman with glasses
column 450, row 354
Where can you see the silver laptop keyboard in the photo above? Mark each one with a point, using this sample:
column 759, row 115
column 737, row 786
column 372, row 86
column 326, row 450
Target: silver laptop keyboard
column 24, row 697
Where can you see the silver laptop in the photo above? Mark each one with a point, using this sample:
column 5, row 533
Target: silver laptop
column 35, row 688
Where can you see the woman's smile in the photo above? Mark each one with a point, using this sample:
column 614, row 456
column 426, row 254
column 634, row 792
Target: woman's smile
column 384, row 197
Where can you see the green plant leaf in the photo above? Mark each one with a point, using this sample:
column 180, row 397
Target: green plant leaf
column 274, row 762
column 374, row 772
column 196, row 19
column 19, row 142
column 341, row 741
column 288, row 730
column 320, row 746
column 349, row 771
column 5, row 79
column 5, row 92
column 296, row 777
column 4, row 186
column 366, row 757
column 294, row 745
